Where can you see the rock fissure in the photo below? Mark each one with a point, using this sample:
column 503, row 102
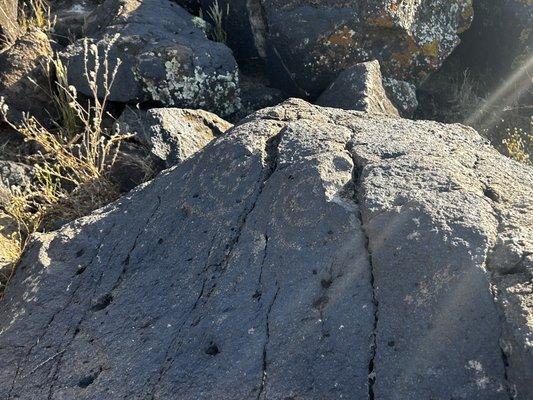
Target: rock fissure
column 357, row 179
column 52, row 318
column 491, row 271
column 264, row 365
column 126, row 261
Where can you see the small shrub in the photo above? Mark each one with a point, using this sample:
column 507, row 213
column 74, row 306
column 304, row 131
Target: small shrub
column 518, row 144
column 217, row 15
column 74, row 158
column 36, row 14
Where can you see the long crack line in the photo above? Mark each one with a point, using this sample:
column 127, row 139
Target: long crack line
column 357, row 179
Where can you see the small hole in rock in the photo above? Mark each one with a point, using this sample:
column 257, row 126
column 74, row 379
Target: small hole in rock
column 102, row 302
column 88, row 380
column 81, row 270
column 491, row 194
column 212, row 350
column 80, row 253
column 391, row 343
column 326, row 283
column 160, row 241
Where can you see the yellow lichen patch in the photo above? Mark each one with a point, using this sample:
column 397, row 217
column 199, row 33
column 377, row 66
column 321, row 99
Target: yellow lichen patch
column 431, row 49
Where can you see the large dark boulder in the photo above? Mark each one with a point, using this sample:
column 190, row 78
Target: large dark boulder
column 307, row 43
column 166, row 57
column 309, row 253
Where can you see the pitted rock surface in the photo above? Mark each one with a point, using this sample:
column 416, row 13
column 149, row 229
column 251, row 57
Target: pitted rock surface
column 307, row 253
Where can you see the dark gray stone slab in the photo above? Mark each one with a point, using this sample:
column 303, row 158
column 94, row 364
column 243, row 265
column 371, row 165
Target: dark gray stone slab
column 309, row 253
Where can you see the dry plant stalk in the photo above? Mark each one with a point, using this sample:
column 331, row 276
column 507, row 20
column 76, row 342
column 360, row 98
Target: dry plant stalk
column 74, row 158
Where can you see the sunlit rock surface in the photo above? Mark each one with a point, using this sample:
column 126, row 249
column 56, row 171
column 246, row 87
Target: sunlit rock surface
column 166, row 57
column 308, row 253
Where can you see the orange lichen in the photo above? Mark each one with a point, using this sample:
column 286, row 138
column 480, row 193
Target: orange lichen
column 342, row 37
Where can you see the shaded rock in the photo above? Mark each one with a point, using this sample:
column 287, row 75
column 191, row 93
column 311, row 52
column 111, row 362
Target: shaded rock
column 307, row 43
column 499, row 41
column 359, row 88
column 166, row 58
column 16, row 174
column 70, row 17
column 8, row 21
column 256, row 93
column 350, row 255
column 21, row 64
column 403, row 95
column 172, row 134
column 133, row 166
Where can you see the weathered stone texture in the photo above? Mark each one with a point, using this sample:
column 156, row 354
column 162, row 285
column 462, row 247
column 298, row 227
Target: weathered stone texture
column 166, row 57
column 308, row 253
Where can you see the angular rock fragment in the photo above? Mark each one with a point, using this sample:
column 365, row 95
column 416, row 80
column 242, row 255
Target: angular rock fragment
column 166, row 58
column 403, row 95
column 359, row 88
column 172, row 134
column 309, row 253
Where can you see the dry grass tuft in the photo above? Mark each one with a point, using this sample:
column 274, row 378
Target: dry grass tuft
column 74, row 159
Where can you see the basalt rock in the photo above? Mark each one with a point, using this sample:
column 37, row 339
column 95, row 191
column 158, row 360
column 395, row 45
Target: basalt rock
column 172, row 134
column 23, row 80
column 166, row 57
column 309, row 253
column 359, row 88
column 307, row 43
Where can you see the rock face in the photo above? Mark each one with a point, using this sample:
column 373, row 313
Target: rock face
column 8, row 21
column 166, row 57
column 359, row 88
column 307, row 43
column 309, row 253
column 403, row 96
column 172, row 134
column 20, row 64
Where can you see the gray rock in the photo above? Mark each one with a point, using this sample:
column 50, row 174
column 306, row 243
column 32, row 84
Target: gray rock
column 172, row 134
column 359, row 88
column 403, row 96
column 257, row 93
column 23, row 77
column 9, row 28
column 16, row 174
column 307, row 43
column 309, row 253
column 166, row 57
